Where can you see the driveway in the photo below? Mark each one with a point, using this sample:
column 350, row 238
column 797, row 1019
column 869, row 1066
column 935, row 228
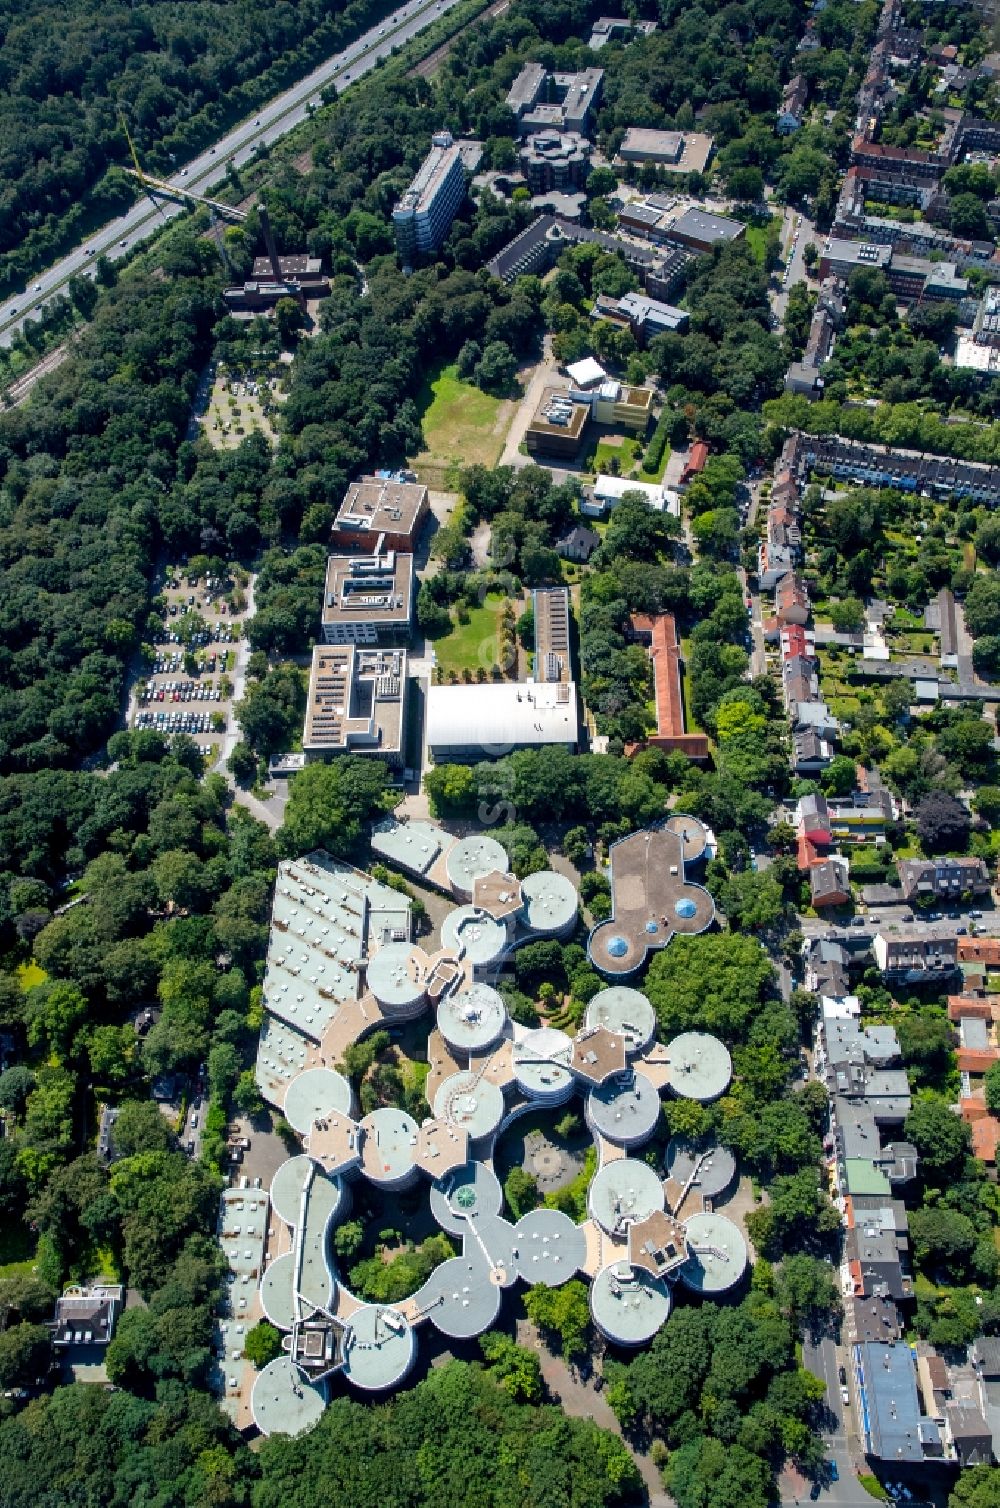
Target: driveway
column 544, row 375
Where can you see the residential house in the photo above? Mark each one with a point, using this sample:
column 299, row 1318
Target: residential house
column 791, row 601
column 579, row 544
column 810, row 753
column 87, row 1316
column 911, row 957
column 829, row 882
column 793, row 104
column 945, row 879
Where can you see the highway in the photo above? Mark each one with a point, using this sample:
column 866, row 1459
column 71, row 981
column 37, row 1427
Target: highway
column 120, row 238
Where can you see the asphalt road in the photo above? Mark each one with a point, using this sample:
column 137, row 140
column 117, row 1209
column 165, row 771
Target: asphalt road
column 120, row 237
column 794, row 264
column 890, row 916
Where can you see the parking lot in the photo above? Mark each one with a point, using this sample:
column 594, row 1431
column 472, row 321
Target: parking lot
column 189, row 687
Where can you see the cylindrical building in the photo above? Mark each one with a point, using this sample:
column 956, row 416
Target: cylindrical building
column 541, row 1060
column 388, row 1137
column 624, row 1111
column 473, row 1020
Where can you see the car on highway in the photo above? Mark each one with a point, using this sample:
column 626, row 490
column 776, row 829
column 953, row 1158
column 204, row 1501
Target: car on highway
column 184, row 172
column 122, row 243
column 257, row 121
column 37, row 288
column 845, row 1397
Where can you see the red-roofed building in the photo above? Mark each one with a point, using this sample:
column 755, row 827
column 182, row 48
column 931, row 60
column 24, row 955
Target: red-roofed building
column 658, row 631
column 976, row 1060
column 797, row 642
column 974, row 1007
column 985, row 1128
column 984, row 950
column 697, row 456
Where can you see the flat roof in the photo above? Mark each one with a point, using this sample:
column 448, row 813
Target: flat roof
column 379, row 1347
column 558, row 414
column 413, row 845
column 361, row 589
column 677, row 151
column 381, row 505
column 652, row 901
column 466, row 1193
column 625, row 1112
column 629, row 1305
column 717, row 1254
column 389, row 1136
column 473, row 1019
column 552, row 633
column 626, row 1012
column 471, row 1101
column 429, row 177
column 541, row 1061
column 458, row 1298
column 710, row 1168
column 471, row 858
column 314, row 1094
column 495, row 718
column 624, row 1191
column 287, row 1185
column 283, row 1401
column 474, row 934
column 550, row 901
column 549, row 1247
column 282, row 1052
column 325, row 918
column 356, row 700
column 702, row 226
column 277, row 1291
column 393, row 976
column 700, row 1066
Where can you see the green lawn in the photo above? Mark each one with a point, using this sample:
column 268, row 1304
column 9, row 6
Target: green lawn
column 628, row 452
column 461, row 424
column 756, row 239
column 475, row 643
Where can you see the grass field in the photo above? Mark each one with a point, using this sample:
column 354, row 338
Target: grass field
column 475, row 643
column 461, row 426
column 756, row 239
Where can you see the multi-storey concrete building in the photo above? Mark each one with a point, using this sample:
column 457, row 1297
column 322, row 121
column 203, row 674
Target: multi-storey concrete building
column 423, row 216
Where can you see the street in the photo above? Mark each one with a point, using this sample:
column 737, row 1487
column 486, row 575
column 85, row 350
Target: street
column 120, row 237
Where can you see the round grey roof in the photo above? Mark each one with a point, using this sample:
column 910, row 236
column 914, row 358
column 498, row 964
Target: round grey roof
column 459, row 1298
column 277, row 1291
column 472, row 857
column 380, row 1346
column 497, row 1239
column 693, row 834
column 390, row 979
column 717, row 1254
column 625, row 1011
column 712, row 1167
column 287, row 1185
column 283, row 1401
column 550, row 901
column 549, row 1247
column 700, row 1066
column 313, row 1094
column 474, row 934
column 469, row 1192
column 624, row 1111
column 470, row 1101
column 473, row 1019
column 628, row 1304
column 540, row 1062
column 622, row 1191
column 387, row 1145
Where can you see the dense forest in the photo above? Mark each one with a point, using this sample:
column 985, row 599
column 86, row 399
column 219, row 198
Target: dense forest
column 179, row 73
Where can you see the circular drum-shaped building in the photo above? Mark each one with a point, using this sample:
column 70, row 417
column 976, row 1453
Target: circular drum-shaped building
column 710, row 1170
column 468, row 1193
column 395, row 982
column 459, row 1298
column 473, row 1020
column 700, row 1066
column 717, row 1254
column 628, row 1305
column 550, row 905
column 624, row 1111
column 627, row 1013
column 472, row 933
column 379, row 1348
column 388, row 1138
column 623, row 1191
column 541, row 1065
column 287, row 1185
column 471, row 858
column 549, row 1247
column 284, row 1402
column 313, row 1094
column 472, row 1102
column 277, row 1291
